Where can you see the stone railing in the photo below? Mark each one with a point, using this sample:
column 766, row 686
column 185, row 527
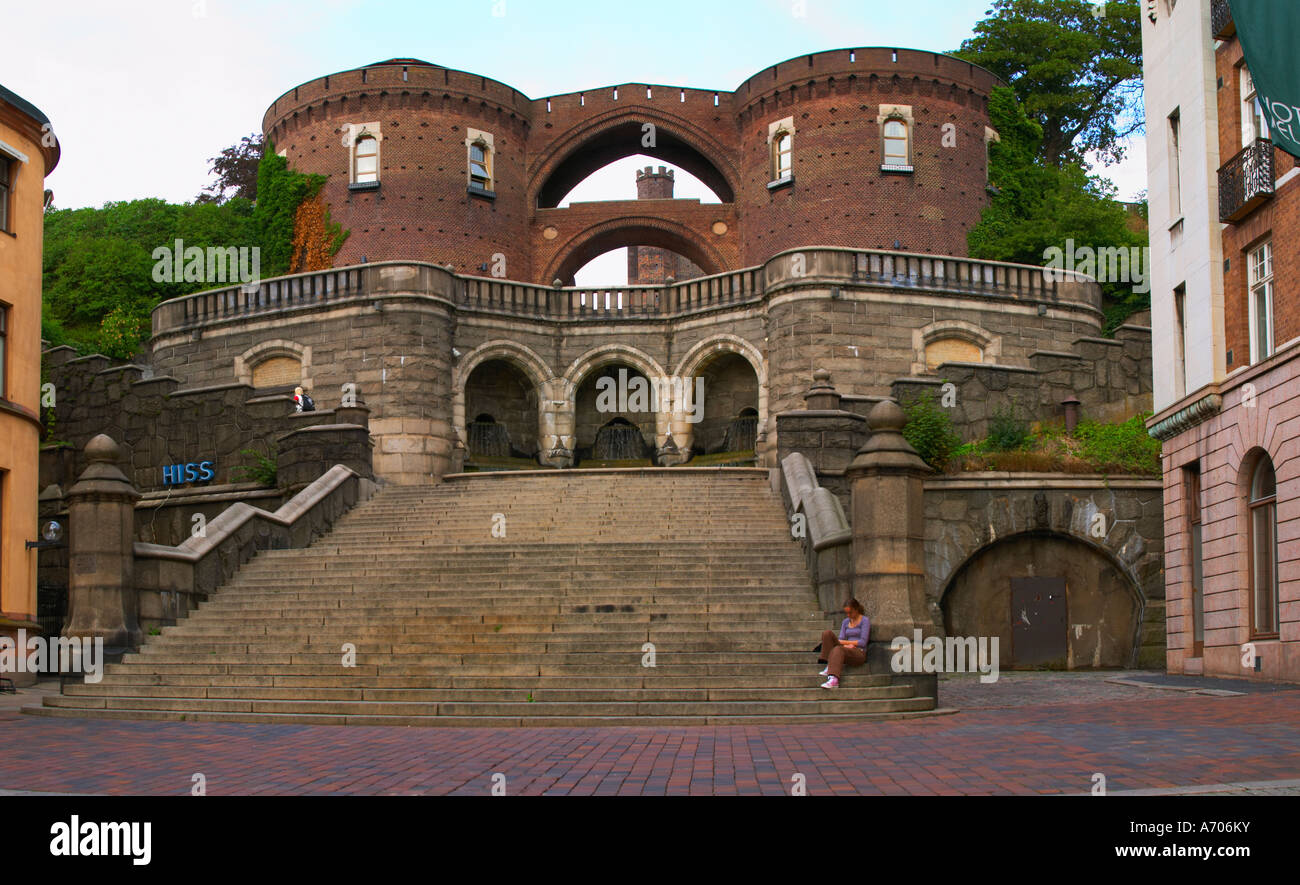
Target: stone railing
column 826, row 536
column 815, row 266
column 170, row 581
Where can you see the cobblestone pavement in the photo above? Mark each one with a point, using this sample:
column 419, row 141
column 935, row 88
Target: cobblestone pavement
column 1029, row 733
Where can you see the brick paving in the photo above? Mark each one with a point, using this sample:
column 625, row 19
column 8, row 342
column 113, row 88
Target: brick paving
column 1043, row 734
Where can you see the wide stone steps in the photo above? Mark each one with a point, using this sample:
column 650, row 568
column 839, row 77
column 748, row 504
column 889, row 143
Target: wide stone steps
column 446, row 625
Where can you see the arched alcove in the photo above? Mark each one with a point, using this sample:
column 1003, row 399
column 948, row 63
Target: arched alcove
column 1053, row 601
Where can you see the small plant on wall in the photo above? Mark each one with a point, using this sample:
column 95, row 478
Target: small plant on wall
column 262, row 471
column 929, row 431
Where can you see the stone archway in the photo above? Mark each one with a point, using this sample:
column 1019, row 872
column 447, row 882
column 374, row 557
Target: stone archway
column 636, row 363
column 698, row 360
column 524, row 360
column 1054, row 602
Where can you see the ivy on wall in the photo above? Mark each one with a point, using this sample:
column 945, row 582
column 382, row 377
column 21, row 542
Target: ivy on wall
column 99, row 282
column 294, row 224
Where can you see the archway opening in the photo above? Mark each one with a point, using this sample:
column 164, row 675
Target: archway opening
column 637, row 265
column 1054, row 602
column 666, row 248
column 628, row 141
column 727, row 406
column 614, row 417
column 504, row 403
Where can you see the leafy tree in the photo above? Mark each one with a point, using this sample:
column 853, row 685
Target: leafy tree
column 99, row 285
column 236, row 169
column 1078, row 73
column 1037, row 206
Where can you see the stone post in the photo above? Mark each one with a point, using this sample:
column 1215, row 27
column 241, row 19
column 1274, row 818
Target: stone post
column 888, row 523
column 557, row 422
column 102, row 601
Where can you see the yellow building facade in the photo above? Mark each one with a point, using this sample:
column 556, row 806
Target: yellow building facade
column 28, row 153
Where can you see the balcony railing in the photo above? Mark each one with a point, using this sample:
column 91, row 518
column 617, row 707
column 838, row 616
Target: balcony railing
column 833, row 268
column 1246, row 181
column 1221, row 23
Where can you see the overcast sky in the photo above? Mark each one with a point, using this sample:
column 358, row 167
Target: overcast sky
column 141, row 93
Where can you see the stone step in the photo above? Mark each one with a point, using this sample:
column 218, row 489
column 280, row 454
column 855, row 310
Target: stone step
column 495, row 721
column 818, row 702
column 474, row 666
column 650, row 679
column 808, row 691
column 402, row 632
column 452, row 627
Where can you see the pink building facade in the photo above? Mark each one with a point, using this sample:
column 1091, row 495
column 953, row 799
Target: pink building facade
column 1225, row 244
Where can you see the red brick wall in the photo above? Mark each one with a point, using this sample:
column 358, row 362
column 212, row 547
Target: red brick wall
column 422, row 210
column 1278, row 219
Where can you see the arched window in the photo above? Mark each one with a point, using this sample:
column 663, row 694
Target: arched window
column 898, row 143
column 782, row 156
column 365, row 160
column 1263, row 549
column 480, row 165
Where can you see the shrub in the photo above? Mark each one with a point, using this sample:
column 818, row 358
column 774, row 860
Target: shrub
column 261, row 471
column 1007, row 432
column 1119, row 448
column 929, row 431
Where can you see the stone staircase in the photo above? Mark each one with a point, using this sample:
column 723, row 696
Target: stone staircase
column 549, row 625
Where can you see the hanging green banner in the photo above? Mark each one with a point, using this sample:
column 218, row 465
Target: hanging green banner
column 1269, row 31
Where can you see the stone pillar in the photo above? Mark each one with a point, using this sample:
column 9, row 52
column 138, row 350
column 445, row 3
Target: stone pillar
column 556, row 423
column 887, row 478
column 102, row 601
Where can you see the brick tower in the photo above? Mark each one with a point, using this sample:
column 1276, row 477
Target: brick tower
column 651, row 265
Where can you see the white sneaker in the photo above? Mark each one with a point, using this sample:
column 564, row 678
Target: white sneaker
column 825, row 672
column 831, row 683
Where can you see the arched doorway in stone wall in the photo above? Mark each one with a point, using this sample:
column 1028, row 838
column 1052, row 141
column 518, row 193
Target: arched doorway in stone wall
column 1053, row 601
column 500, row 413
column 615, row 419
column 725, row 399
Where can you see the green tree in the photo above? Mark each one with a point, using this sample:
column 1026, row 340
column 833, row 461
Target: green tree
column 1078, row 73
column 236, row 169
column 1038, row 206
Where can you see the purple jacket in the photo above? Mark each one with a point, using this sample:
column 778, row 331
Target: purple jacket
column 861, row 632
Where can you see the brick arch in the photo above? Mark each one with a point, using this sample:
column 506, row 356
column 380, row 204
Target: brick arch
column 612, row 136
column 634, row 231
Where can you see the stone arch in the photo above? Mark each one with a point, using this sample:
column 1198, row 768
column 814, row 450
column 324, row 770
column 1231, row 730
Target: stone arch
column 603, row 355
column 518, row 355
column 634, row 231
column 279, row 348
column 1087, row 611
column 595, row 143
column 990, row 345
column 713, row 346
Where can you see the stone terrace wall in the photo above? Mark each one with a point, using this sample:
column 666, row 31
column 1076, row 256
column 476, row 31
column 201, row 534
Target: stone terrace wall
column 158, row 423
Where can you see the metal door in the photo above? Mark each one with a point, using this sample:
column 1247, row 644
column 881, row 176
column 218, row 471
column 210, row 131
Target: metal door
column 1038, row 622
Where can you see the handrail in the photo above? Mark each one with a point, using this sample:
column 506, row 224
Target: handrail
column 941, row 274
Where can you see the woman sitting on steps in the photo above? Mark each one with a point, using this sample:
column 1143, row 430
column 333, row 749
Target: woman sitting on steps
column 850, row 647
